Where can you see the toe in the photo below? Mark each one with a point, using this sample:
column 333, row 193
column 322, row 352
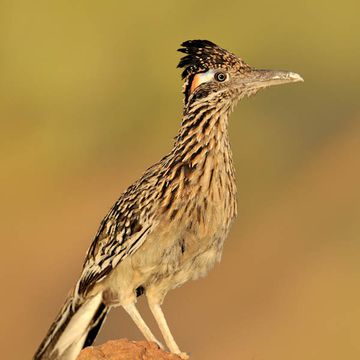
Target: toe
column 183, row 356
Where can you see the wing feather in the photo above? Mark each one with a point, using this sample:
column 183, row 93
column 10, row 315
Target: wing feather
column 121, row 233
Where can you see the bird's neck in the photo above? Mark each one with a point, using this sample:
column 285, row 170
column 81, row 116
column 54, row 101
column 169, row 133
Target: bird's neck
column 200, row 165
column 203, row 135
column 201, row 160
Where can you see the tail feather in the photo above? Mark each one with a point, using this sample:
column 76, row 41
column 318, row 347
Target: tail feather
column 99, row 318
column 75, row 327
column 60, row 322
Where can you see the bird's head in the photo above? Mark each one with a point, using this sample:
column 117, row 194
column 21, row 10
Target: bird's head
column 213, row 74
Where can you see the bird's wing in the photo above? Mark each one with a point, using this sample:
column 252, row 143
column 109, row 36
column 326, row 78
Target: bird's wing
column 121, row 233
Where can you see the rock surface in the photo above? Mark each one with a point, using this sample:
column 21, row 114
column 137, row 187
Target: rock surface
column 124, row 349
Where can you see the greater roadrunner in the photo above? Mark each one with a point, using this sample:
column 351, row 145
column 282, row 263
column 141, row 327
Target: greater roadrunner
column 170, row 225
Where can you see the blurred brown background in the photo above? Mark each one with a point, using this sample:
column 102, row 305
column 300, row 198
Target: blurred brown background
column 90, row 97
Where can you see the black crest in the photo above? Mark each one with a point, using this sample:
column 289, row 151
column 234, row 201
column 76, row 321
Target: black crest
column 203, row 55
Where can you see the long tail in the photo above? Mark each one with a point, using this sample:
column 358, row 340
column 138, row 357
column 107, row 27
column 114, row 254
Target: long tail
column 75, row 327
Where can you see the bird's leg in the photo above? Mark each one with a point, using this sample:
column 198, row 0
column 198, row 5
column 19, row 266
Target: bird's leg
column 164, row 328
column 140, row 323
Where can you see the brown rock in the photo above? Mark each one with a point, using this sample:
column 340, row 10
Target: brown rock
column 124, row 349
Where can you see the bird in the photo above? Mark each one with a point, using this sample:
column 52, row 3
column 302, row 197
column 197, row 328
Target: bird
column 170, row 225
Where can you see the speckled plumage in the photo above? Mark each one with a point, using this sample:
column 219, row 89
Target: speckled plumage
column 170, row 225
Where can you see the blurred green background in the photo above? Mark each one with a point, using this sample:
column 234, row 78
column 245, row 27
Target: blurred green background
column 90, row 97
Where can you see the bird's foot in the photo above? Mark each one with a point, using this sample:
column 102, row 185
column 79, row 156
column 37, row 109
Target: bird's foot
column 159, row 344
column 183, row 356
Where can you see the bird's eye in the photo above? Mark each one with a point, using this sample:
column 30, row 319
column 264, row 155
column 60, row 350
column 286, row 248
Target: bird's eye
column 220, row 76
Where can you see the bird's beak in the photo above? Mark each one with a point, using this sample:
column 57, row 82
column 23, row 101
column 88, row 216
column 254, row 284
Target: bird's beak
column 264, row 78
